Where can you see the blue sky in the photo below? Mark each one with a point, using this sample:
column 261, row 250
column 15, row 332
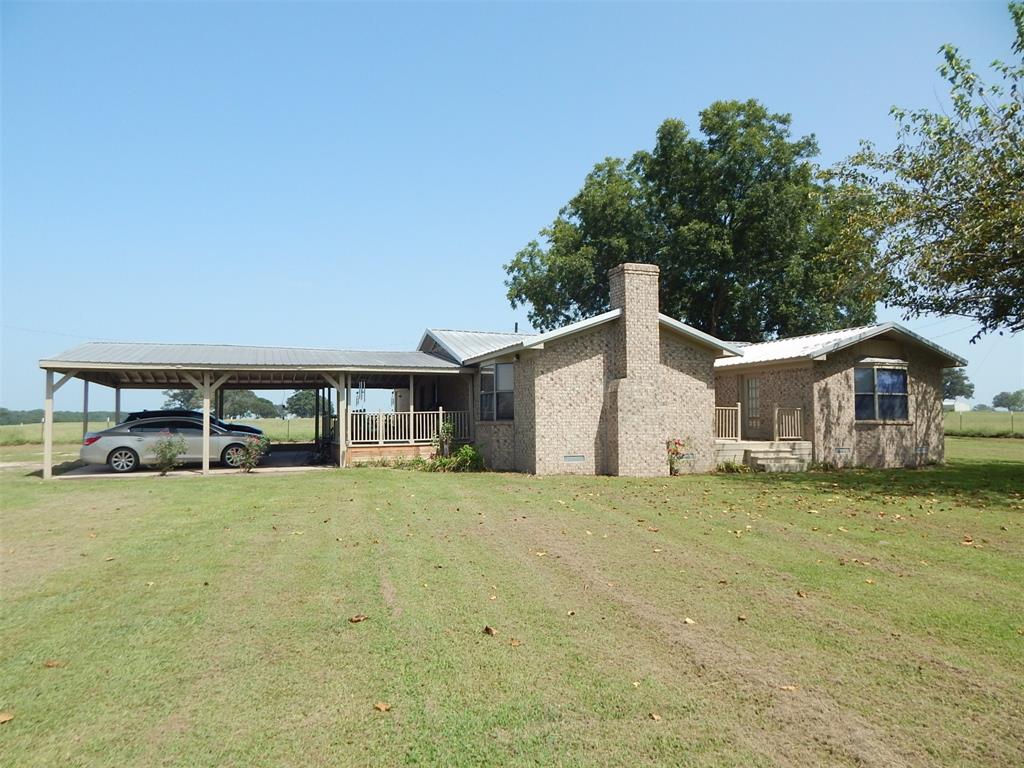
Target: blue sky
column 337, row 175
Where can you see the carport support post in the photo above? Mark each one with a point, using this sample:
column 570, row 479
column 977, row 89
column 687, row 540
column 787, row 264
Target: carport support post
column 412, row 417
column 117, row 405
column 85, row 409
column 48, row 428
column 207, row 386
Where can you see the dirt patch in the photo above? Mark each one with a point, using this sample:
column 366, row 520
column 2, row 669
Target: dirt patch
column 387, row 592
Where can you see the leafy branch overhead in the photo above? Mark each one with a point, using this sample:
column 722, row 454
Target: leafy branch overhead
column 947, row 204
column 745, row 232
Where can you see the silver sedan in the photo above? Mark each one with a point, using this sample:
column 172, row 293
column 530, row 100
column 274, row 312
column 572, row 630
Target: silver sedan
column 125, row 447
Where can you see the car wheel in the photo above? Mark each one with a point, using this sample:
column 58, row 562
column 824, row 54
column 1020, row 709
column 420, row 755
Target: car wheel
column 233, row 455
column 123, row 460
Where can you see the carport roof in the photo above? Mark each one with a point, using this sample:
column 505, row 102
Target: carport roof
column 134, row 364
column 223, row 356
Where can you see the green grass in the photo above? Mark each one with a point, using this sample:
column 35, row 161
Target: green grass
column 70, row 432
column 985, row 424
column 203, row 621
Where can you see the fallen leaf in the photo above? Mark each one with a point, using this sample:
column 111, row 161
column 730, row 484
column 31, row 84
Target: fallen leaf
column 723, row 581
column 514, row 642
column 570, row 613
column 787, row 687
column 741, row 617
column 489, row 630
column 636, row 683
column 652, row 529
column 654, row 716
column 688, row 620
column 357, row 618
column 382, row 706
column 6, row 717
column 108, row 559
column 801, row 593
column 53, row 663
column 541, row 554
column 869, row 581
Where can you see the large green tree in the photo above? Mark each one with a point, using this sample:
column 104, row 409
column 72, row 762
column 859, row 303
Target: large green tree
column 956, row 384
column 1011, row 401
column 947, row 203
column 238, row 403
column 744, row 232
column 303, row 404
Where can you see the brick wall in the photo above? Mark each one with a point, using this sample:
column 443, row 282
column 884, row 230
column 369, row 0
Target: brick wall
column 571, row 376
column 496, row 442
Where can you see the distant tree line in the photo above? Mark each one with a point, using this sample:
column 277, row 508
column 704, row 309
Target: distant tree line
column 35, row 416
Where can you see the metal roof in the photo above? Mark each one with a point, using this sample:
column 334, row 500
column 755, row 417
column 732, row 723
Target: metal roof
column 537, row 341
column 797, row 348
column 466, row 345
column 104, row 354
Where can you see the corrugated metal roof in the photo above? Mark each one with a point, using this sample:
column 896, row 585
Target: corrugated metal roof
column 816, row 344
column 465, row 345
column 208, row 355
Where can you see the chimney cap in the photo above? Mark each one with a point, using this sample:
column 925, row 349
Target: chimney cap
column 629, row 266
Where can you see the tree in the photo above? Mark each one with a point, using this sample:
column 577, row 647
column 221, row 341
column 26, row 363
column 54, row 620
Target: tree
column 743, row 230
column 956, row 384
column 982, row 407
column 303, row 404
column 182, row 399
column 947, row 204
column 1011, row 401
column 238, row 403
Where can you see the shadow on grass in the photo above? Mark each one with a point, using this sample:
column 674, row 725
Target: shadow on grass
column 989, row 481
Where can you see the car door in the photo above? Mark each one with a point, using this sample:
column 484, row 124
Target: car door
column 143, row 436
column 192, row 431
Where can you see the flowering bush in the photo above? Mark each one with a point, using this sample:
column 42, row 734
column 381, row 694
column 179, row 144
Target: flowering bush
column 675, row 448
column 253, row 450
column 167, row 451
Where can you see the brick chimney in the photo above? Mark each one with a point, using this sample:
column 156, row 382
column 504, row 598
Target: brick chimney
column 633, row 288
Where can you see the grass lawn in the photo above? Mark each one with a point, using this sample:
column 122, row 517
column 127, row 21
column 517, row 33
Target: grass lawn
column 854, row 618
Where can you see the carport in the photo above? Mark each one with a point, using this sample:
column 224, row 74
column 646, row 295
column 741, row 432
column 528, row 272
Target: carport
column 212, row 368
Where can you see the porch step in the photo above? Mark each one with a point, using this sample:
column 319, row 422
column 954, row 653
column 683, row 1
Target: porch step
column 778, row 464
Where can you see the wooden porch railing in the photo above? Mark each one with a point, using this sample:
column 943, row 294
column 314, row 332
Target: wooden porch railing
column 395, row 427
column 727, row 422
column 788, row 424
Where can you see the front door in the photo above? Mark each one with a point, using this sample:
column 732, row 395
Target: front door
column 751, row 426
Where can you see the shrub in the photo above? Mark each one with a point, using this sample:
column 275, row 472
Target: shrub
column 466, row 459
column 167, row 452
column 734, row 467
column 253, row 451
column 444, row 438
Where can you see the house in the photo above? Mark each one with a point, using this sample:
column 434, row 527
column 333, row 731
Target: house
column 599, row 396
column 866, row 397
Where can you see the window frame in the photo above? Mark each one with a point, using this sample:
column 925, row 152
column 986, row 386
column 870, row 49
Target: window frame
column 491, row 369
column 876, row 417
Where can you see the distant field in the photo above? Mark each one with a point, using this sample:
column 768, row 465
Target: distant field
column 278, row 430
column 985, row 424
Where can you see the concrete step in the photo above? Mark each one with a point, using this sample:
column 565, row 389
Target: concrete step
column 779, row 464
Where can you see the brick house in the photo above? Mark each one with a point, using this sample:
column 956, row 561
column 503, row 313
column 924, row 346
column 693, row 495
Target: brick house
column 599, row 396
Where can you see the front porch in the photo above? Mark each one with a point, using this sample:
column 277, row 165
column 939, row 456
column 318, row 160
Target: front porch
column 786, row 451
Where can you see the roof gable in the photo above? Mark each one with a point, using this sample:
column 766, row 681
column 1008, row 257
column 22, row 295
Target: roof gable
column 461, row 346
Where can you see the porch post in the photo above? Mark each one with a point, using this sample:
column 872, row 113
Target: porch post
column 775, row 422
column 117, row 405
column 412, row 410
column 85, row 409
column 48, row 428
column 380, row 427
column 739, row 422
column 342, row 419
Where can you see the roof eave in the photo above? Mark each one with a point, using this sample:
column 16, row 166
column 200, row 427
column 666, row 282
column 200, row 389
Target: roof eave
column 699, row 336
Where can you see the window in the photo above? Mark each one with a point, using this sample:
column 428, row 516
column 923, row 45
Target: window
column 496, row 392
column 880, row 394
